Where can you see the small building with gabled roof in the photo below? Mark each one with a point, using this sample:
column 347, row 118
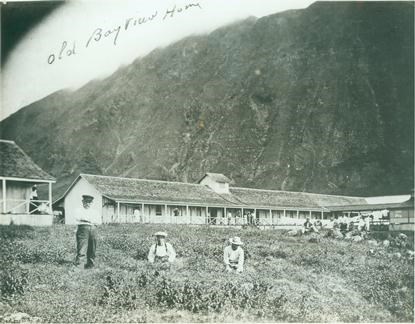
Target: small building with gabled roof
column 217, row 181
column 397, row 212
column 18, row 174
column 130, row 200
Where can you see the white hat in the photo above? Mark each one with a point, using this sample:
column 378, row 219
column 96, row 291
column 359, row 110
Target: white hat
column 161, row 234
column 236, row 240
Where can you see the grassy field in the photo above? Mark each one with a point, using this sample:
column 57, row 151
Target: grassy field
column 286, row 278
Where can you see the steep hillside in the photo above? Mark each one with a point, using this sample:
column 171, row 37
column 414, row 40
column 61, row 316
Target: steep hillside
column 318, row 100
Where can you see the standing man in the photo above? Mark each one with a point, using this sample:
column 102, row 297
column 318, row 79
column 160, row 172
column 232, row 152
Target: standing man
column 233, row 255
column 367, row 223
column 249, row 217
column 229, row 218
column 87, row 218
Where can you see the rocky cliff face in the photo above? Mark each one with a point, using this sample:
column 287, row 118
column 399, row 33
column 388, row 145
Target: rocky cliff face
column 317, row 100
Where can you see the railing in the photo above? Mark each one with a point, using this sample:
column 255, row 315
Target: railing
column 28, row 206
column 227, row 221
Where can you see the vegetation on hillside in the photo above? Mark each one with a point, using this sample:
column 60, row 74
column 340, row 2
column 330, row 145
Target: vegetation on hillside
column 317, row 100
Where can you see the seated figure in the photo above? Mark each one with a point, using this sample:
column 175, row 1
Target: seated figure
column 233, row 255
column 161, row 251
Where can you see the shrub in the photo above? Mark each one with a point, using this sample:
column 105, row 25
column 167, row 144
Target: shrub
column 12, row 232
column 13, row 280
column 155, row 289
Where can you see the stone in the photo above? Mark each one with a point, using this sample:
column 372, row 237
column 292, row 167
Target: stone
column 314, row 240
column 292, row 233
column 402, row 236
column 372, row 242
column 16, row 317
column 386, row 243
column 397, row 255
column 357, row 239
column 337, row 234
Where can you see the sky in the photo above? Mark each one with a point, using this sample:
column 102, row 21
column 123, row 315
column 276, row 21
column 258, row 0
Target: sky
column 80, row 40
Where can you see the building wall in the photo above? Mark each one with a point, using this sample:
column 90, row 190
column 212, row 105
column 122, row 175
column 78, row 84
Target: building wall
column 195, row 215
column 26, row 219
column 73, row 200
column 401, row 219
column 109, row 211
column 126, row 213
column 198, row 215
column 264, row 217
column 16, row 193
column 277, row 216
column 401, row 227
column 159, row 214
column 153, row 213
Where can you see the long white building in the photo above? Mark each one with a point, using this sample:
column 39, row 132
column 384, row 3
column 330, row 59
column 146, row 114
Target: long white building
column 210, row 201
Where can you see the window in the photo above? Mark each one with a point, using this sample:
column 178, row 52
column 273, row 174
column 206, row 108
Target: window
column 158, row 210
column 198, row 211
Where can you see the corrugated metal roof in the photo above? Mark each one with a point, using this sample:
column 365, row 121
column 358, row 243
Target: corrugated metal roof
column 290, row 198
column 15, row 163
column 406, row 204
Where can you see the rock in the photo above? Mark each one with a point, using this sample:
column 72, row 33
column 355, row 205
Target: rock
column 357, row 239
column 402, row 236
column 314, row 240
column 397, row 255
column 247, row 286
column 403, row 289
column 292, row 233
column 4, row 308
column 386, row 243
column 337, row 234
column 410, row 254
column 19, row 317
column 372, row 242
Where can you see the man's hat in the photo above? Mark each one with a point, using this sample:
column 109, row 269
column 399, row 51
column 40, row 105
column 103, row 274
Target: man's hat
column 236, row 240
column 164, row 234
column 87, row 197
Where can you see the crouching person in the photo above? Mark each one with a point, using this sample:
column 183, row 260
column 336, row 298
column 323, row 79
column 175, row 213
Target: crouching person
column 161, row 252
column 233, row 255
column 309, row 227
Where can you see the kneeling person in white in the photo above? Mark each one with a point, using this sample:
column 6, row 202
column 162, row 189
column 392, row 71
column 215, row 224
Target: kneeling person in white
column 161, row 251
column 233, row 255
